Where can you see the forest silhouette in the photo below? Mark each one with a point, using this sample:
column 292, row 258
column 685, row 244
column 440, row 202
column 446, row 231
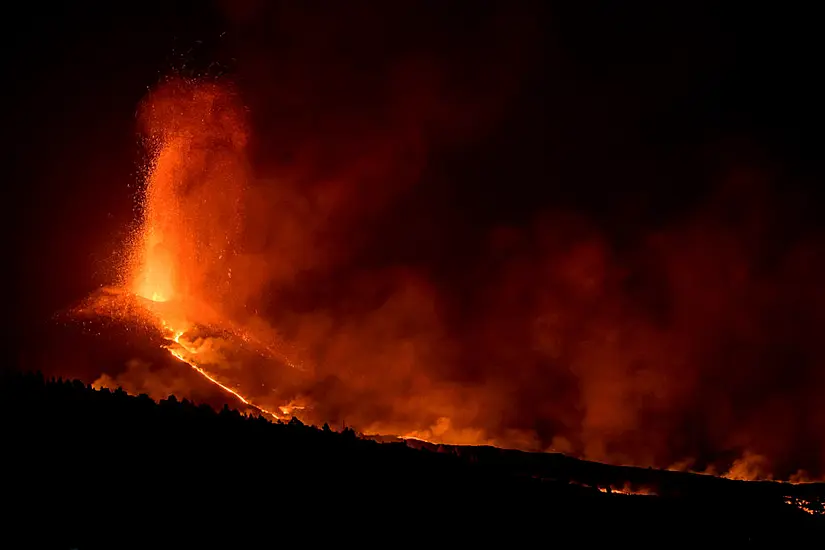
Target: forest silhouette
column 100, row 468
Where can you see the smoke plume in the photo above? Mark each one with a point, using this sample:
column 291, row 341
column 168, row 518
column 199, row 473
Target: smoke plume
column 313, row 216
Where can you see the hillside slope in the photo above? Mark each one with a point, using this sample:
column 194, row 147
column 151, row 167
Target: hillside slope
column 93, row 465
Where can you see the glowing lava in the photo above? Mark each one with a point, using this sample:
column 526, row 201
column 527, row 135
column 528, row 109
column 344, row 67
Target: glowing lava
column 811, row 507
column 191, row 350
column 627, row 490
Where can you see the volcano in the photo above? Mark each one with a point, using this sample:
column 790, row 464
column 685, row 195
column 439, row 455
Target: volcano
column 581, row 369
column 198, row 363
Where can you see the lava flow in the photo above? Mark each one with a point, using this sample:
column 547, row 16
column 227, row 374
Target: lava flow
column 189, row 358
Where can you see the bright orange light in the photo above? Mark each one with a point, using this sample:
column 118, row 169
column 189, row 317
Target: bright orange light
column 159, row 247
column 180, row 355
column 627, row 490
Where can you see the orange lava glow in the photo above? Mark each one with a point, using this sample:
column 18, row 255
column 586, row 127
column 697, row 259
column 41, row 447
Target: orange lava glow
column 808, row 506
column 188, row 353
column 192, row 193
column 627, row 490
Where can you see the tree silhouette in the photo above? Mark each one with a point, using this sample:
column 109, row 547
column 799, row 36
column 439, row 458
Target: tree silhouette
column 81, row 461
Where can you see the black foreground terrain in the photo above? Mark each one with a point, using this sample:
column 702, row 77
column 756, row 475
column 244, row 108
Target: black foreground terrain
column 86, row 468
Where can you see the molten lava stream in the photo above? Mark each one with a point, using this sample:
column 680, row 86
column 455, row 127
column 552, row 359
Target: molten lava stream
column 176, row 338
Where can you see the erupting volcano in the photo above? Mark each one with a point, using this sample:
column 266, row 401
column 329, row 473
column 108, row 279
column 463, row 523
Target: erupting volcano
column 579, row 250
column 178, row 266
column 197, row 274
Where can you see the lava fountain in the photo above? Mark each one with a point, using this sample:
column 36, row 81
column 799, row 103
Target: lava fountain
column 177, row 274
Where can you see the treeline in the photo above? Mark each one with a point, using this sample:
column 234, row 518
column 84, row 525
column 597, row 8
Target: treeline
column 88, row 465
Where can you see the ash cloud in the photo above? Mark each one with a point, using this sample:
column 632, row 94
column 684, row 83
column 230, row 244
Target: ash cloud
column 421, row 305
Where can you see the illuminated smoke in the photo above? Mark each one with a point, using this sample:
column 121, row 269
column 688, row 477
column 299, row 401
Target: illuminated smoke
column 278, row 245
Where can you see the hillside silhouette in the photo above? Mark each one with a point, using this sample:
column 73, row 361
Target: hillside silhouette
column 87, row 468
